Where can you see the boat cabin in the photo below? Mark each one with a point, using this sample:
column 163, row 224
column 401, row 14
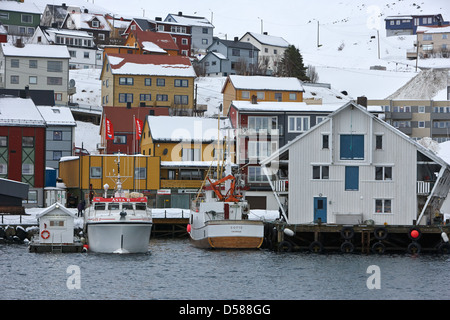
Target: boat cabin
column 56, row 225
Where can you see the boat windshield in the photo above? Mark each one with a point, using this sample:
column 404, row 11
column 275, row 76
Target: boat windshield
column 99, row 206
column 113, row 206
column 141, row 206
column 127, row 206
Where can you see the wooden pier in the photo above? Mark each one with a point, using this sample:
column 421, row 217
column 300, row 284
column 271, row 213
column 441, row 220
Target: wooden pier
column 170, row 227
column 377, row 239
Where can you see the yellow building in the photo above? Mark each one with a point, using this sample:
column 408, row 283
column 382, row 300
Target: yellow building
column 152, row 80
column 81, row 175
column 261, row 88
column 187, row 147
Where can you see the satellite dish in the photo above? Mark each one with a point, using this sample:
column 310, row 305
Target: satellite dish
column 72, row 83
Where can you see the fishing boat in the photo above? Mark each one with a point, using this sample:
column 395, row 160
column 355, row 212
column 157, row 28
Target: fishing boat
column 118, row 224
column 221, row 220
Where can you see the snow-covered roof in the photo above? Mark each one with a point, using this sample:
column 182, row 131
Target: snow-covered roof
column 166, row 128
column 444, row 29
column 56, row 206
column 61, row 116
column 189, row 20
column 266, row 83
column 19, row 112
column 162, row 65
column 28, row 7
column 268, row 40
column 69, row 32
column 81, row 21
column 152, row 47
column 36, row 50
column 326, row 94
column 266, row 106
column 191, row 164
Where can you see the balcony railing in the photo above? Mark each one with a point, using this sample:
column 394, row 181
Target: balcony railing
column 423, row 187
column 281, row 185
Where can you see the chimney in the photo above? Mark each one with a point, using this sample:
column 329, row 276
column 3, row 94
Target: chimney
column 254, row 100
column 180, row 13
column 19, row 43
column 362, row 101
column 265, row 33
column 236, row 39
column 158, row 19
column 27, row 91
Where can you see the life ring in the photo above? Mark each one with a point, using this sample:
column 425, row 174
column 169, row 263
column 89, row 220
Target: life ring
column 380, row 233
column 45, row 234
column 347, row 233
column 414, row 233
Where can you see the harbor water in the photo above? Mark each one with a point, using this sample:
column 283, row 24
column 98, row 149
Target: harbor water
column 175, row 270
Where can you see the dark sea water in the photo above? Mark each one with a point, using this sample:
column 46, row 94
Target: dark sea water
column 175, row 270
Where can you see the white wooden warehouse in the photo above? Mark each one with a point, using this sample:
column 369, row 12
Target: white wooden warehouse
column 355, row 168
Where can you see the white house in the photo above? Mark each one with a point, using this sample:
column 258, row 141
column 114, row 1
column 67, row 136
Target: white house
column 355, row 168
column 84, row 54
column 40, row 67
column 271, row 49
column 56, row 225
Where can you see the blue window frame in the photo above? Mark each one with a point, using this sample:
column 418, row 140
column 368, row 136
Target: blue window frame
column 351, row 178
column 352, row 147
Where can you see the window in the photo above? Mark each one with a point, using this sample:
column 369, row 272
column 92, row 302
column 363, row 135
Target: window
column 27, row 142
column 421, row 124
column 183, row 100
column 57, row 135
column 33, row 64
column 383, row 206
column 427, row 47
column 32, row 80
column 161, row 82
column 255, row 175
column 427, row 37
column 56, row 223
column 205, row 30
column 27, row 168
column 383, row 173
column 261, row 149
column 184, row 41
column 162, row 97
column 421, row 109
column 245, row 94
column 235, row 52
column 27, row 18
column 181, row 83
column 188, row 154
column 125, row 97
column 96, row 172
column 126, row 81
column 3, row 168
column 54, row 66
column 298, row 124
column 325, row 141
column 378, row 142
column 352, row 147
column 278, row 96
column 140, row 173
column 351, row 178
column 148, row 81
column 120, row 139
column 260, row 95
column 58, row 96
column 57, row 155
column 14, row 79
column 321, row 172
column 145, row 97
column 14, row 63
column 292, row 96
column 73, row 54
column 86, row 54
column 3, row 141
column 4, row 15
column 32, row 197
column 263, row 123
column 54, row 81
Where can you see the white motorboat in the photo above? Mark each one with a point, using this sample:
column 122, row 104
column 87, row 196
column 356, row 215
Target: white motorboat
column 119, row 224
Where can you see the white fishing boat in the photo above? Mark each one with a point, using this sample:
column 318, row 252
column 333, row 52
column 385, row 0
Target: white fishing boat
column 118, row 224
column 222, row 222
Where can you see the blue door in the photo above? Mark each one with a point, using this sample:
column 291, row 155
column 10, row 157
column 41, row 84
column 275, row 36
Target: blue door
column 320, row 209
column 351, row 178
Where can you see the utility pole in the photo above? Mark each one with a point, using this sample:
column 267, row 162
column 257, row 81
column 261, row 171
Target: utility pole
column 318, row 45
column 378, row 36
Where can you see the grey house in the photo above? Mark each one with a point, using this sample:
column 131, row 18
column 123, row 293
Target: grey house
column 226, row 57
column 59, row 134
column 201, row 30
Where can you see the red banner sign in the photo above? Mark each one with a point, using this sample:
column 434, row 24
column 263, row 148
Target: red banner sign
column 109, row 131
column 139, row 124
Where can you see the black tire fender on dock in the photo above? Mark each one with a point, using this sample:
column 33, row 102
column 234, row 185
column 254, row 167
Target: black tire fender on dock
column 347, row 247
column 347, row 233
column 316, row 247
column 414, row 247
column 378, row 247
column 380, row 233
column 444, row 247
column 285, row 246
